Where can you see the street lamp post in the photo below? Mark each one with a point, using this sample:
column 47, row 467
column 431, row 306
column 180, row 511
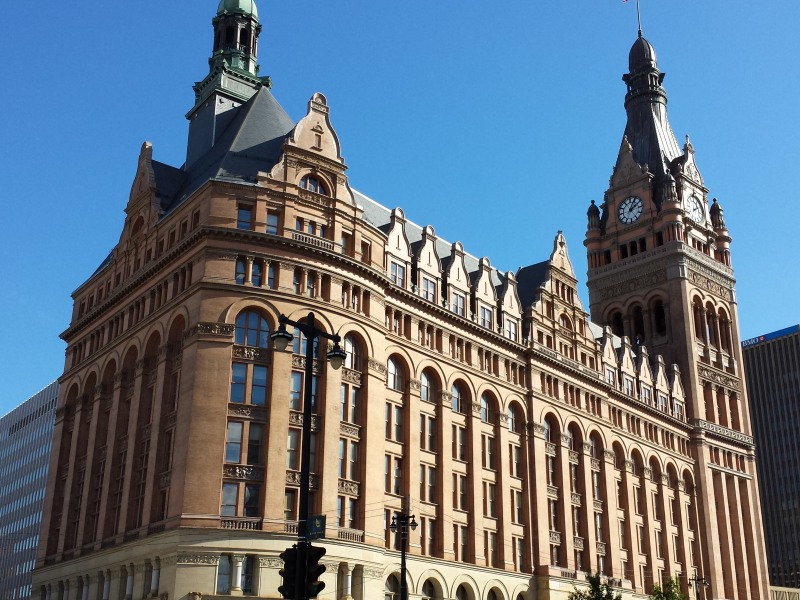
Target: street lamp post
column 403, row 520
column 698, row 581
column 336, row 356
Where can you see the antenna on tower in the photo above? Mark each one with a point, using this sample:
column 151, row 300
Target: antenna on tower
column 639, row 17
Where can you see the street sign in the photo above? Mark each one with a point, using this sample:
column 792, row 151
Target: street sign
column 316, row 528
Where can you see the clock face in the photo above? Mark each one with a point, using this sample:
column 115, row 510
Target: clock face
column 630, row 209
column 695, row 210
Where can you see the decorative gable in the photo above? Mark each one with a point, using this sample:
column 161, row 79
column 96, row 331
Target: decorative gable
column 427, row 266
column 398, row 250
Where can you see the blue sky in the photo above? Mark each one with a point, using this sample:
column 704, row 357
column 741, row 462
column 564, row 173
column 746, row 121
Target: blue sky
column 495, row 122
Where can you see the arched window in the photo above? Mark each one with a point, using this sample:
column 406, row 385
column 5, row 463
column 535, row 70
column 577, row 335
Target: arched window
column 492, row 595
column 392, row 588
column 461, row 593
column 426, row 390
column 458, row 399
column 514, row 420
column 660, row 318
column 394, row 375
column 252, row 329
column 548, row 431
column 486, row 415
column 616, row 324
column 312, row 184
column 353, row 360
column 565, row 323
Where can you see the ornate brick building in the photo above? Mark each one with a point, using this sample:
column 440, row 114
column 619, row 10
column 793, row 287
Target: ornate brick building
column 533, row 444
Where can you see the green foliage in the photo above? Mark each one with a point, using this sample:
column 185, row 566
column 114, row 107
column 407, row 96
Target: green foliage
column 670, row 591
column 598, row 590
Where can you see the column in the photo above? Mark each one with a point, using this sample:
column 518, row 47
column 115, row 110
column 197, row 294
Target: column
column 107, row 586
column 411, row 458
column 665, row 493
column 444, row 470
column 722, row 568
column 753, row 540
column 85, row 594
column 155, row 577
column 588, row 509
column 328, row 433
column 277, row 428
column 153, row 478
column 739, row 566
column 373, row 436
column 347, row 587
column 567, row 549
column 631, row 522
column 475, row 479
column 129, row 583
column 236, row 579
column 91, row 459
column 609, row 486
column 133, row 447
column 77, row 420
column 248, row 270
column 505, row 548
column 539, row 544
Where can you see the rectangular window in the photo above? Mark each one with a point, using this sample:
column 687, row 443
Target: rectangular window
column 463, row 544
column 258, row 388
column 486, row 317
column 516, row 464
column 255, row 444
column 353, row 461
column 462, row 492
column 298, row 224
column 342, row 457
column 272, row 222
column 398, row 476
column 290, row 505
column 516, row 506
column 487, row 442
column 647, row 395
column 230, row 494
column 233, row 443
column 397, row 273
column 293, row 450
column 628, row 386
column 244, row 216
column 490, row 500
column 598, row 526
column 238, row 381
column 519, row 554
column 511, row 329
column 429, row 289
column 611, row 376
column 296, row 391
column 252, row 493
column 459, row 303
column 431, row 484
column 640, row 530
column 398, row 423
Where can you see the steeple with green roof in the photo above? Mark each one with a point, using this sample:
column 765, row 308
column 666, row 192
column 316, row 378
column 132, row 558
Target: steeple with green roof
column 233, row 74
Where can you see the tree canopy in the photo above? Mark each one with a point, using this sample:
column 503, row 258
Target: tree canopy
column 671, row 590
column 598, row 589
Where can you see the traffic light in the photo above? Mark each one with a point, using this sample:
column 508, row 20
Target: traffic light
column 314, row 570
column 288, row 572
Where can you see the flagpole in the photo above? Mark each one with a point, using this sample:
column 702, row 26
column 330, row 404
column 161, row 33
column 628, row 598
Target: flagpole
column 639, row 17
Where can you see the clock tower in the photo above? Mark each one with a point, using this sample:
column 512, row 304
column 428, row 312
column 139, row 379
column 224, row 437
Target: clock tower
column 660, row 274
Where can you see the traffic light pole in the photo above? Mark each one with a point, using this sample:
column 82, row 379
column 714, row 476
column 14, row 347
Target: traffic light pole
column 311, row 333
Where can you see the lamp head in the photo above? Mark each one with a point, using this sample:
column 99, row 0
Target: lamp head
column 336, row 356
column 393, row 526
column 413, row 523
column 281, row 337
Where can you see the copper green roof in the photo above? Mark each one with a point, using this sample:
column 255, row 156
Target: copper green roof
column 247, row 7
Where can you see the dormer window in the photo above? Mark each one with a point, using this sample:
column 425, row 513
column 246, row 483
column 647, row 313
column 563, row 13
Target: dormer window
column 486, row 317
column 459, row 302
column 312, row 184
column 397, row 273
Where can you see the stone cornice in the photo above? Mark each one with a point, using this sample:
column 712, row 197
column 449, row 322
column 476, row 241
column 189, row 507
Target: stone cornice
column 728, row 435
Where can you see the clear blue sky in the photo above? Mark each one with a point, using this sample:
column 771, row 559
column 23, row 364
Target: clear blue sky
column 496, row 122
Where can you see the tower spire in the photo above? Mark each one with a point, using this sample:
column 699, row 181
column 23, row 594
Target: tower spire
column 639, row 17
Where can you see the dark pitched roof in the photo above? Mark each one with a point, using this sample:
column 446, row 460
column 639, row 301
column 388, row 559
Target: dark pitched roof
column 251, row 143
column 529, row 280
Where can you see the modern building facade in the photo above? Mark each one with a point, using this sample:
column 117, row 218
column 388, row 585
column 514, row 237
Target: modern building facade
column 25, row 437
column 772, row 363
column 532, row 442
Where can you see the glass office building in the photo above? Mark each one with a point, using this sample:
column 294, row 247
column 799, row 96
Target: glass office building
column 25, row 437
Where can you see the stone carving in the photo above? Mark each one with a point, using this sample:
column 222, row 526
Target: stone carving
column 221, row 329
column 578, row 543
column 296, row 418
column 576, row 499
column 555, row 537
column 476, row 408
column 244, row 410
column 638, row 283
column 376, row 365
column 250, row 353
column 718, row 377
column 724, row 432
column 146, row 430
column 550, row 448
column 373, row 573
column 709, row 285
column 598, row 505
column 665, row 480
column 165, row 480
column 348, row 487
column 538, row 429
column 601, row 548
column 446, row 398
column 415, row 384
column 595, row 464
column 552, row 491
column 270, row 562
column 243, row 472
column 573, row 457
column 629, row 466
column 351, row 376
column 565, row 440
column 349, row 430
column 609, row 455
column 293, row 477
column 331, row 567
column 197, row 559
column 648, row 473
column 195, row 596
